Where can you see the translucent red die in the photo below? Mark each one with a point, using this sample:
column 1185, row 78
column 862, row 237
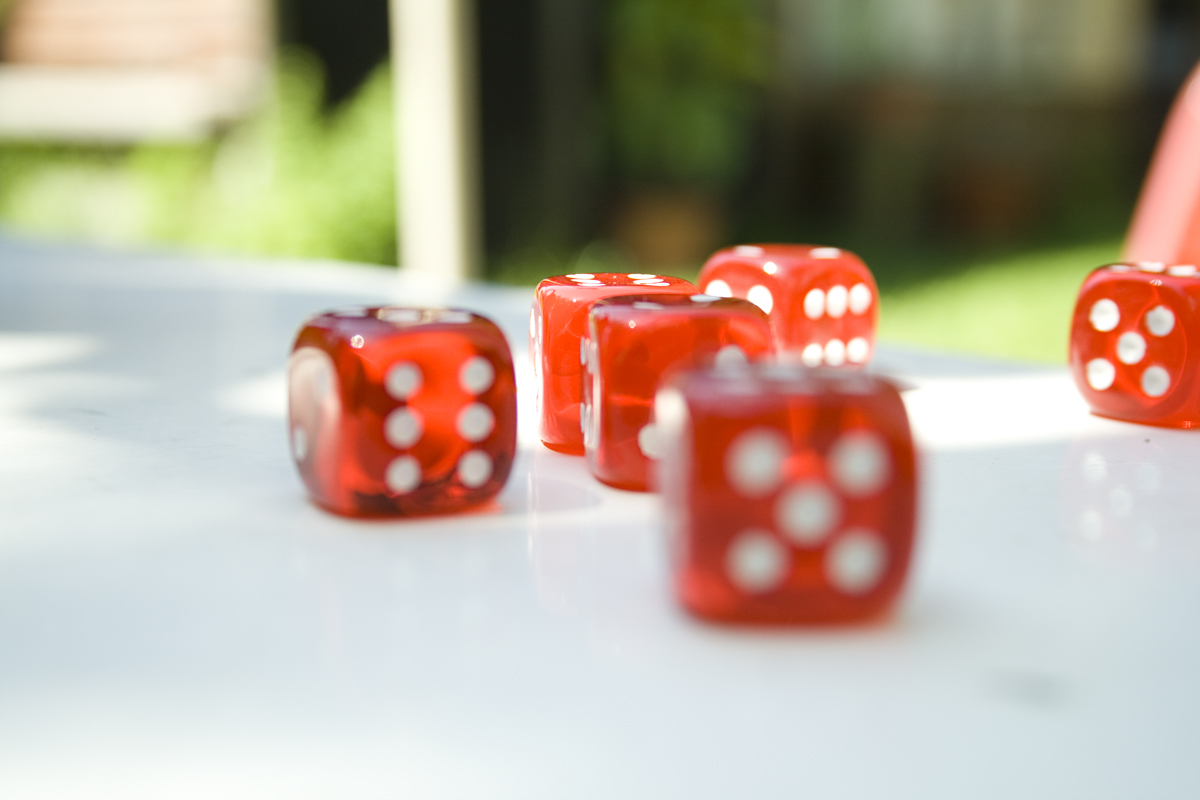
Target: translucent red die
column 822, row 301
column 630, row 344
column 1130, row 339
column 790, row 494
column 556, row 325
column 402, row 410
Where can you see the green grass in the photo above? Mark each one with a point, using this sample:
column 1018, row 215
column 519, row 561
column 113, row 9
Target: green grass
column 1015, row 308
column 293, row 181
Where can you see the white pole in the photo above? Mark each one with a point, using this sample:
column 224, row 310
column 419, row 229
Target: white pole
column 437, row 156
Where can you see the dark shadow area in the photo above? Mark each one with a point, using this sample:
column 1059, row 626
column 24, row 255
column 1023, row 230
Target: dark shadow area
column 351, row 37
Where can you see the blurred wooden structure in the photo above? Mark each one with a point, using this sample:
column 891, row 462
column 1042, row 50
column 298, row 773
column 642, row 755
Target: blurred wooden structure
column 129, row 70
column 437, row 144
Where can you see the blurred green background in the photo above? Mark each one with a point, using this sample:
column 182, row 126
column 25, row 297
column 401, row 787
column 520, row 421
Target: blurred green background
column 296, row 179
column 981, row 155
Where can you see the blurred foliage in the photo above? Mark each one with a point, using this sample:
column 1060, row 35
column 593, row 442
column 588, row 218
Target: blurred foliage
column 293, row 181
column 1018, row 307
column 681, row 76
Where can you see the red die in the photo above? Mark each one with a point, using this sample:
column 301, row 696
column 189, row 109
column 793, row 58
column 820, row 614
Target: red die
column 631, row 343
column 821, row 300
column 556, row 324
column 790, row 494
column 1129, row 343
column 401, row 410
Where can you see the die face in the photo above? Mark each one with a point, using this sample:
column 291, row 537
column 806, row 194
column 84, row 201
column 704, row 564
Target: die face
column 791, row 498
column 397, row 411
column 822, row 301
column 1130, row 339
column 558, row 322
column 632, row 342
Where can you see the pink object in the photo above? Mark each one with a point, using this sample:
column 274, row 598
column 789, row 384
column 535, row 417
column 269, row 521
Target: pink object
column 1166, row 224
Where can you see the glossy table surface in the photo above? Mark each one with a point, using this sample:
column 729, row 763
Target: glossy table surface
column 176, row 620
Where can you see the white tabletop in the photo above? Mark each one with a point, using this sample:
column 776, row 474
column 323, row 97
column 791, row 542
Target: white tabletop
column 177, row 621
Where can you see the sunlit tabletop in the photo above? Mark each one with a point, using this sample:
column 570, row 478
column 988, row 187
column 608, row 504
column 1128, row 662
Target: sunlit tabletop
column 178, row 621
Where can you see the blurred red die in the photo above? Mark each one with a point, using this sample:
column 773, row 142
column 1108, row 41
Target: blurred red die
column 790, row 494
column 631, row 343
column 556, row 325
column 402, row 410
column 822, row 301
column 1130, row 337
